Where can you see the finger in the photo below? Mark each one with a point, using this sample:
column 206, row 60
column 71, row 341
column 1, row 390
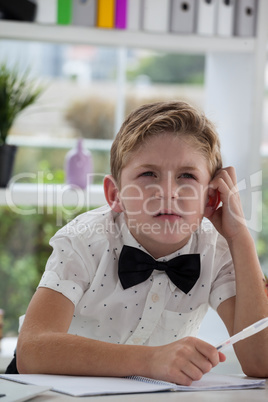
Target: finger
column 231, row 172
column 222, row 357
column 209, row 352
column 183, row 379
column 227, row 190
column 202, row 364
column 228, row 175
column 222, row 177
column 192, row 371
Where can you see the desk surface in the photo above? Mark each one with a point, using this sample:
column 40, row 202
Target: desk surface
column 202, row 396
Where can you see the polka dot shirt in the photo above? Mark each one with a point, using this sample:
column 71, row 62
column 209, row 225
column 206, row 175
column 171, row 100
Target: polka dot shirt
column 84, row 267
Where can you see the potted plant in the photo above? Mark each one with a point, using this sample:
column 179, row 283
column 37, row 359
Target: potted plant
column 17, row 92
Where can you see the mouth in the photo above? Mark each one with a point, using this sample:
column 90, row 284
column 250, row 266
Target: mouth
column 166, row 214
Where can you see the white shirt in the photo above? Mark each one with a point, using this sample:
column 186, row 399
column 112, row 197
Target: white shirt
column 84, row 267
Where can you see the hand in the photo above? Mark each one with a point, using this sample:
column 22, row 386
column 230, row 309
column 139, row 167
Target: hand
column 184, row 361
column 228, row 219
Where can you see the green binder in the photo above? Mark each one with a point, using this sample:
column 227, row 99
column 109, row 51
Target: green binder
column 64, row 14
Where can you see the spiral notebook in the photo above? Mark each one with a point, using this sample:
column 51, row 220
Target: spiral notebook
column 86, row 386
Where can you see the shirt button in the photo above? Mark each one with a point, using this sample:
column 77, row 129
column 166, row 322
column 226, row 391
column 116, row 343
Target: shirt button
column 155, row 297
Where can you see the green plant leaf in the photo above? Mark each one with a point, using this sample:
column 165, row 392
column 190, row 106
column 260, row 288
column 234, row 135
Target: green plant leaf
column 17, row 92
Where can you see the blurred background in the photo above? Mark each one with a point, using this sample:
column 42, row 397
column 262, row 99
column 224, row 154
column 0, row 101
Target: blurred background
column 88, row 92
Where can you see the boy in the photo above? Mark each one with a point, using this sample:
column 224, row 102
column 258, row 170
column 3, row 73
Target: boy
column 128, row 284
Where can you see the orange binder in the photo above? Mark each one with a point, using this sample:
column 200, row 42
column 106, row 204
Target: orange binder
column 106, row 14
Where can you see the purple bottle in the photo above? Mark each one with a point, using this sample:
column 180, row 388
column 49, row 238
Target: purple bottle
column 78, row 166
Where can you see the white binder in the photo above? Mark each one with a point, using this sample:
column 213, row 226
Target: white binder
column 206, row 17
column 225, row 17
column 46, row 11
column 156, row 15
column 183, row 16
column 134, row 15
column 84, row 12
column 246, row 17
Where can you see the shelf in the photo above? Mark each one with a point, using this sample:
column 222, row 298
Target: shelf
column 46, row 141
column 50, row 195
column 112, row 37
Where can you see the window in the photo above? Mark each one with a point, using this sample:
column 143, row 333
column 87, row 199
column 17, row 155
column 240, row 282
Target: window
column 263, row 235
column 89, row 91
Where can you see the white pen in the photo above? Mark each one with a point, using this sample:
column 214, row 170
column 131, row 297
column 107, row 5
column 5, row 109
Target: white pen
column 248, row 331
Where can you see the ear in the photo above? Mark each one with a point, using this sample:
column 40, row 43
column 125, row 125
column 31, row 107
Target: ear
column 212, row 203
column 112, row 193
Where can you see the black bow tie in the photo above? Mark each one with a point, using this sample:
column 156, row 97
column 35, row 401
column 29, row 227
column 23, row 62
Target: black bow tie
column 135, row 267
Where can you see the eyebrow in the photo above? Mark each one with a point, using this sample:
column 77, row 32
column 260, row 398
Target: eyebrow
column 182, row 168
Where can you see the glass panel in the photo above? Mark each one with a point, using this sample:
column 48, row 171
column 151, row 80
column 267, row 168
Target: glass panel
column 79, row 82
column 262, row 240
column 50, row 161
column 24, row 250
column 157, row 76
column 88, row 92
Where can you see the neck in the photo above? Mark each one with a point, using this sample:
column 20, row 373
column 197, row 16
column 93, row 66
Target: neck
column 160, row 249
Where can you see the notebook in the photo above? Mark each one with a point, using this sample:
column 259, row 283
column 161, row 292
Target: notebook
column 86, row 386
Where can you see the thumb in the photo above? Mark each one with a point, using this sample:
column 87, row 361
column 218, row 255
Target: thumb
column 222, row 357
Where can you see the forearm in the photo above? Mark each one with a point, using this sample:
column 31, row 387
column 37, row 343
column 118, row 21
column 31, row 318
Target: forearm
column 180, row 362
column 61, row 353
column 251, row 305
column 44, row 346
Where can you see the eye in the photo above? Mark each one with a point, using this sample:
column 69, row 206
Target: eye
column 150, row 174
column 187, row 176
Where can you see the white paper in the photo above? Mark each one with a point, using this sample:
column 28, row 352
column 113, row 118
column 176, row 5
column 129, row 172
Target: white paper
column 213, row 382
column 19, row 392
column 83, row 386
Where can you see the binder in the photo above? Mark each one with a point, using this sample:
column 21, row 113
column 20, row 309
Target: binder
column 84, row 12
column 134, row 15
column 121, row 14
column 64, row 13
column 183, row 16
column 246, row 17
column 225, row 18
column 156, row 15
column 106, row 13
column 18, row 10
column 46, row 11
column 206, row 17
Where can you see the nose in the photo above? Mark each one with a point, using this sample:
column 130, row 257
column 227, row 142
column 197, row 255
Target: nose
column 168, row 189
column 167, row 194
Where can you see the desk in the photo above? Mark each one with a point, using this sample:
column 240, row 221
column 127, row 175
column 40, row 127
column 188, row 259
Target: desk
column 202, row 396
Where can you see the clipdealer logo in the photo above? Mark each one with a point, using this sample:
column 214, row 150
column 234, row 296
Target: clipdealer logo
column 47, row 196
column 251, row 194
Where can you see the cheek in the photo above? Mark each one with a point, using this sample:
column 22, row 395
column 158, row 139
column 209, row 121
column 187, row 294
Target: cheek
column 131, row 201
column 188, row 193
column 193, row 198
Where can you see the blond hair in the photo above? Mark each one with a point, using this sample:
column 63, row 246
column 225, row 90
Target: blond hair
column 175, row 117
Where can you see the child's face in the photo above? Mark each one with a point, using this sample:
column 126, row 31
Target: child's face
column 164, row 192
